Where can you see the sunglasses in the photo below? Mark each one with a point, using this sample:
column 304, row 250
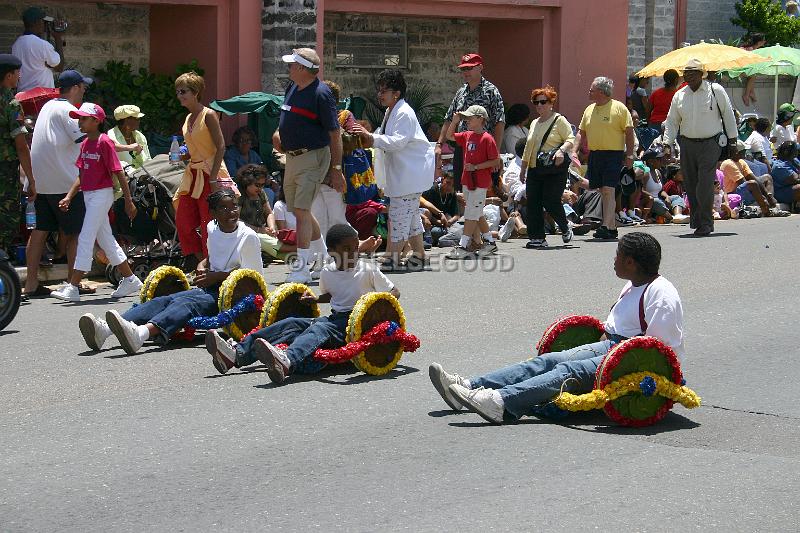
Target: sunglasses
column 540, row 102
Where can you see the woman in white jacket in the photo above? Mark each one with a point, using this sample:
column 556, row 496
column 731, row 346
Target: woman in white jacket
column 406, row 158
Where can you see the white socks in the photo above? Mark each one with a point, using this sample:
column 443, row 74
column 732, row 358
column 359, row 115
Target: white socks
column 144, row 333
column 306, row 257
column 321, row 251
column 465, row 239
column 487, row 236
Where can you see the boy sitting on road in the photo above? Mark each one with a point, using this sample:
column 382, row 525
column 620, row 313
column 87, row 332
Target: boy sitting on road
column 231, row 245
column 341, row 284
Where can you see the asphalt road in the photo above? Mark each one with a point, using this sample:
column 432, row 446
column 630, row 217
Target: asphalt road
column 159, row 441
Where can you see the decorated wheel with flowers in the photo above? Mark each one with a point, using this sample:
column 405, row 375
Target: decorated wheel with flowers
column 163, row 281
column 570, row 332
column 240, row 284
column 370, row 310
column 636, row 385
column 284, row 302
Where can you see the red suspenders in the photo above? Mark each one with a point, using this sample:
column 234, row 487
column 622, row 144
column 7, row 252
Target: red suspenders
column 642, row 321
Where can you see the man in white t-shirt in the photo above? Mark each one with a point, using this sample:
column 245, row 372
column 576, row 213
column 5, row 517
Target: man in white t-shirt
column 39, row 57
column 647, row 305
column 54, row 150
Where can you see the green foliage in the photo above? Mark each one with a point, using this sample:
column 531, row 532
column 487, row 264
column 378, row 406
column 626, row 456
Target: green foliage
column 116, row 84
column 769, row 18
column 419, row 98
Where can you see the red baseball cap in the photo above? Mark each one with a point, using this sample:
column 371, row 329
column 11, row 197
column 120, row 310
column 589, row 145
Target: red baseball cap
column 89, row 109
column 471, row 60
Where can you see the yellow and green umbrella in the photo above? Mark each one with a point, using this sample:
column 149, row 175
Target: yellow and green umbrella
column 714, row 57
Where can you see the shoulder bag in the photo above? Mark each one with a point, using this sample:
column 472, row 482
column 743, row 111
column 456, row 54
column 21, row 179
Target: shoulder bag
column 546, row 161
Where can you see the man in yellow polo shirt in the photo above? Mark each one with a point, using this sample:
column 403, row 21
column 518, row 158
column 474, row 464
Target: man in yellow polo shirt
column 608, row 128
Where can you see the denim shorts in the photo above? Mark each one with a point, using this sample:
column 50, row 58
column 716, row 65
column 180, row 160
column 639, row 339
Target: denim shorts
column 744, row 191
column 604, row 168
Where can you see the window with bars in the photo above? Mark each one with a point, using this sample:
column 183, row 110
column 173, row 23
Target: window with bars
column 371, row 50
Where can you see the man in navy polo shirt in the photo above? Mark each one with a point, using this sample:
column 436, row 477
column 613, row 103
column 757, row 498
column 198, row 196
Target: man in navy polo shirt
column 308, row 133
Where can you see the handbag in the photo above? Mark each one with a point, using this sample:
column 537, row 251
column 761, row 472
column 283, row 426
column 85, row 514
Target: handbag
column 722, row 139
column 546, row 161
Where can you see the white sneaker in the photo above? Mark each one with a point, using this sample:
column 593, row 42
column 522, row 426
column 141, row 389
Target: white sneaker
column 486, row 402
column 680, row 219
column 567, row 235
column 127, row 287
column 507, row 229
column 126, row 332
column 442, row 380
column 278, row 364
column 487, row 249
column 299, row 276
column 95, row 331
column 67, row 292
column 223, row 352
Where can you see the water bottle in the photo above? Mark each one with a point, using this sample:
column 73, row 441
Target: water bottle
column 30, row 216
column 174, row 151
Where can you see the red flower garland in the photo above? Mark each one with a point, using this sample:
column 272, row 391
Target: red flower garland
column 561, row 325
column 383, row 333
column 615, row 356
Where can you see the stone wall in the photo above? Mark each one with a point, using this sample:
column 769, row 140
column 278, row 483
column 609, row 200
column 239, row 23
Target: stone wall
column 97, row 31
column 286, row 24
column 651, row 31
column 711, row 19
column 435, row 46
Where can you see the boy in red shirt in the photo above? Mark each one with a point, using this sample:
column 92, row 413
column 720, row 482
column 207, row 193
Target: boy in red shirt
column 480, row 157
column 97, row 163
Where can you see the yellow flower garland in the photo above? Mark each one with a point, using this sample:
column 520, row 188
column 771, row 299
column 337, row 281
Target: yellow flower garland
column 151, row 282
column 226, row 295
column 354, row 331
column 627, row 384
column 269, row 314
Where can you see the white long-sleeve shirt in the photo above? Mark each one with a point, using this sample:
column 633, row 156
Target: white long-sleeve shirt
column 404, row 155
column 696, row 114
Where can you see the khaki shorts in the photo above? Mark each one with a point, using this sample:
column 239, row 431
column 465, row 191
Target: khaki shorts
column 303, row 177
column 474, row 200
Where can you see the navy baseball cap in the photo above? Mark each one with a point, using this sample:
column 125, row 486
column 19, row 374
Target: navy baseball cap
column 68, row 78
column 33, row 14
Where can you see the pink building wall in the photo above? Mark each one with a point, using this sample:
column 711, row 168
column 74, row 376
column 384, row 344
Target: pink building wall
column 223, row 35
column 527, row 43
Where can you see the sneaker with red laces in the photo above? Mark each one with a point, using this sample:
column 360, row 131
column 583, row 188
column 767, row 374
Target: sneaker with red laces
column 223, row 352
column 278, row 364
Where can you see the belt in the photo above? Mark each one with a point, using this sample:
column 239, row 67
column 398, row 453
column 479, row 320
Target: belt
column 299, row 151
column 715, row 137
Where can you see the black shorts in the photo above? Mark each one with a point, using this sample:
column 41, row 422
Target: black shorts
column 604, row 168
column 50, row 218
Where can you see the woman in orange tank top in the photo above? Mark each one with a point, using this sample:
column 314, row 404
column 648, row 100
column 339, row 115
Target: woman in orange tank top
column 205, row 171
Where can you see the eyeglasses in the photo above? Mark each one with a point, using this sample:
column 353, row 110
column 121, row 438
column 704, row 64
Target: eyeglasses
column 182, row 91
column 540, row 102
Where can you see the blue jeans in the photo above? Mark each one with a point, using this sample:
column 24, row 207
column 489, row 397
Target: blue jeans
column 525, row 385
column 172, row 312
column 303, row 335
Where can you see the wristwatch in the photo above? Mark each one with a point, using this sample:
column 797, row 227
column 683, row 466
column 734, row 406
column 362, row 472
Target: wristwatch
column 337, row 167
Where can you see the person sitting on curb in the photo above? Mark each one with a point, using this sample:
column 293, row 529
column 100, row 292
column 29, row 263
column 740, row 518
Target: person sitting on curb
column 647, row 305
column 231, row 245
column 341, row 284
column 739, row 179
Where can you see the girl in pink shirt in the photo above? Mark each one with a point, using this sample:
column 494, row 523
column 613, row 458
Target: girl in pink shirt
column 97, row 164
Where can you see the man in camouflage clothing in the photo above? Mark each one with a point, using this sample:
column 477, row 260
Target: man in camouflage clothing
column 13, row 152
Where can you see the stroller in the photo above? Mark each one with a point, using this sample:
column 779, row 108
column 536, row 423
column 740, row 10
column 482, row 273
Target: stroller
column 151, row 239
